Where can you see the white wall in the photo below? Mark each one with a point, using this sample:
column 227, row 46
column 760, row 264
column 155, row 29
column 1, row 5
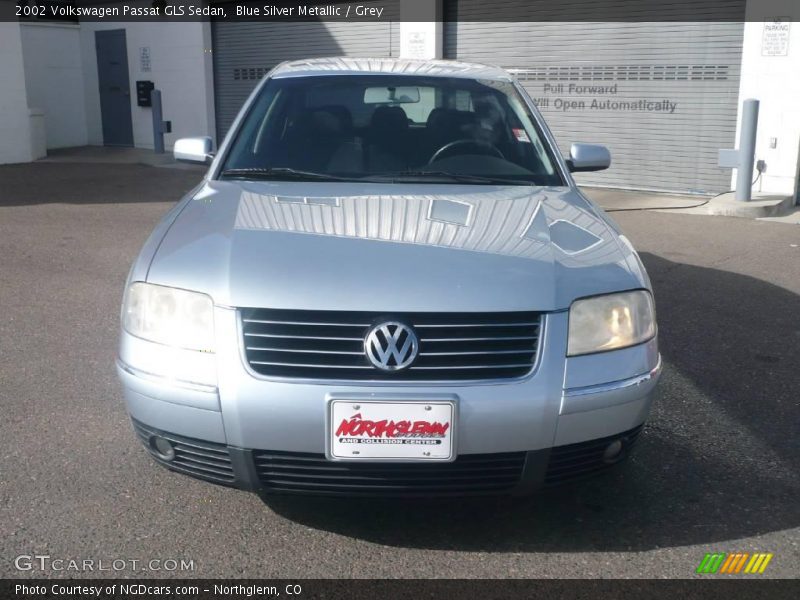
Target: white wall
column 421, row 33
column 54, row 80
column 180, row 55
column 15, row 130
column 775, row 81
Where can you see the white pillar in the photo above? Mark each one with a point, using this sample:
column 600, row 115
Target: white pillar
column 421, row 29
column 15, row 118
column 770, row 68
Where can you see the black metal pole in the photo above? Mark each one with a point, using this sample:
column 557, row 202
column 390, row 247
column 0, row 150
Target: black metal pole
column 158, row 122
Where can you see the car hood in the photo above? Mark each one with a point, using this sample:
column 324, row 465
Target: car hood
column 393, row 247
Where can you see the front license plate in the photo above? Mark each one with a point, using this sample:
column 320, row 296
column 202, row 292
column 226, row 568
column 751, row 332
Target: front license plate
column 391, row 430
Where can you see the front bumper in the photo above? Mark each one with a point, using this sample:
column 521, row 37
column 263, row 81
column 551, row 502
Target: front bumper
column 270, row 435
column 274, row 472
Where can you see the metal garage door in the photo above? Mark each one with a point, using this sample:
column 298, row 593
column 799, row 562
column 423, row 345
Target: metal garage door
column 662, row 95
column 245, row 51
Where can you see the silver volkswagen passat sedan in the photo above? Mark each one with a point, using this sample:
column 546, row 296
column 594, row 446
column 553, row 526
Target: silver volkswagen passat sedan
column 388, row 283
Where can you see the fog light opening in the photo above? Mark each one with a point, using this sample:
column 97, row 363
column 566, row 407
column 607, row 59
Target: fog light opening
column 613, row 451
column 162, row 448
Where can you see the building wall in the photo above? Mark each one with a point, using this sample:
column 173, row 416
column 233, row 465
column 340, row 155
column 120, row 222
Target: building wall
column 15, row 129
column 54, row 80
column 775, row 81
column 53, row 67
column 180, row 62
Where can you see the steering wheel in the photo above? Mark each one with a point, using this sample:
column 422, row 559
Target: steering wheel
column 466, row 147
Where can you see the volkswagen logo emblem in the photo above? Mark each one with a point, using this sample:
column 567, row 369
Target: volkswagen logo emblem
column 391, row 346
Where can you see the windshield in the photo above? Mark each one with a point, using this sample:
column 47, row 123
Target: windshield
column 391, row 128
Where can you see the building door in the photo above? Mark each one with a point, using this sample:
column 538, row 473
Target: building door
column 115, row 87
column 661, row 94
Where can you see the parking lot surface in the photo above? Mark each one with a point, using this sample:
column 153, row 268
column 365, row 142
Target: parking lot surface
column 716, row 469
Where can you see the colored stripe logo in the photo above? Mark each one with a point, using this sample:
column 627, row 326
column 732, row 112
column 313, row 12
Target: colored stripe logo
column 734, row 563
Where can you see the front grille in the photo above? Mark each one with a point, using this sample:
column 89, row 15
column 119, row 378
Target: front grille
column 330, row 344
column 313, row 473
column 198, row 458
column 575, row 461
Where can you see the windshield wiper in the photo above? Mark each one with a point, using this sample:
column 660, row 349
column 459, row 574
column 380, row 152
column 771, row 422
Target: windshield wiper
column 457, row 177
column 283, row 173
column 279, row 173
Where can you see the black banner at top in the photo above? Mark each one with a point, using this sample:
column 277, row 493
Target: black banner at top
column 388, row 10
column 377, row 589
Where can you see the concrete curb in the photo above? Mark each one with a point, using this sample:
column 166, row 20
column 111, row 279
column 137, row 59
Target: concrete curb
column 762, row 205
column 117, row 156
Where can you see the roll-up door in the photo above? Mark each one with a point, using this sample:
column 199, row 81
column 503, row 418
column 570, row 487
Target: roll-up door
column 661, row 95
column 245, row 51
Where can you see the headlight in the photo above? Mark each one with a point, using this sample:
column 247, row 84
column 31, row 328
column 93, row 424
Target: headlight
column 169, row 316
column 610, row 322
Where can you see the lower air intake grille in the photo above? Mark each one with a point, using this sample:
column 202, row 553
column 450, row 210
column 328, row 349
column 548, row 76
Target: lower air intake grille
column 469, row 473
column 330, row 344
column 204, row 460
column 586, row 458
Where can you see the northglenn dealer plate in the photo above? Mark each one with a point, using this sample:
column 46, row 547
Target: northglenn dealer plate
column 412, row 431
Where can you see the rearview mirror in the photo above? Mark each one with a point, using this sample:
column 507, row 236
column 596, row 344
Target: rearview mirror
column 391, row 95
column 588, row 157
column 194, row 149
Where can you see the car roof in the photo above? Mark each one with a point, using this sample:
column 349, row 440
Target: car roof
column 389, row 66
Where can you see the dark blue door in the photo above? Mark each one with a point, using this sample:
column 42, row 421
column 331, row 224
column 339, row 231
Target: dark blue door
column 115, row 87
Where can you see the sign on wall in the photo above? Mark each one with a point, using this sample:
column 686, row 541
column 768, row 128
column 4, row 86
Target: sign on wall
column 144, row 59
column 417, row 44
column 775, row 40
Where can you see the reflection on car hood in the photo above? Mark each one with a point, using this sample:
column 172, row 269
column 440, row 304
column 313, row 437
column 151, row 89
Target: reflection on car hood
column 393, row 247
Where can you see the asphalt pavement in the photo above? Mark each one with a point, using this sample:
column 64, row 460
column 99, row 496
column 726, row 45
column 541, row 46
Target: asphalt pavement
column 716, row 469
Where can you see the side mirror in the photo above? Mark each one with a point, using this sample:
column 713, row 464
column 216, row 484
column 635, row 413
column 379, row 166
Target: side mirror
column 588, row 157
column 193, row 149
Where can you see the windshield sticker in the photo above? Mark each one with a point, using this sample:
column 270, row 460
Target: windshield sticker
column 521, row 135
